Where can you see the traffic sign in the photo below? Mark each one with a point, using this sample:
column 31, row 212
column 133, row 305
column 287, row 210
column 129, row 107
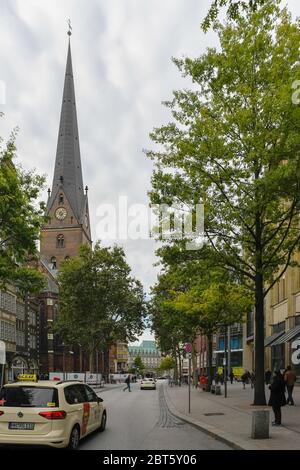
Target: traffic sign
column 188, row 347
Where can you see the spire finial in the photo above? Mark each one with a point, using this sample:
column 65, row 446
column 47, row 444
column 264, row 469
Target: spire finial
column 70, row 28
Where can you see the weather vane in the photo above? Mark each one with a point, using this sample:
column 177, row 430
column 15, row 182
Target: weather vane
column 70, row 27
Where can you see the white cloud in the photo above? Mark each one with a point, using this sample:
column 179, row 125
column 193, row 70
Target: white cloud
column 122, row 65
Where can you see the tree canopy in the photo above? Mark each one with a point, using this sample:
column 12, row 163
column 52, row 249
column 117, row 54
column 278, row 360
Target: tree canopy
column 21, row 218
column 234, row 9
column 233, row 145
column 100, row 302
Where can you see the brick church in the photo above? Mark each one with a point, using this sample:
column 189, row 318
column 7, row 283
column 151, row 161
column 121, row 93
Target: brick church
column 67, row 229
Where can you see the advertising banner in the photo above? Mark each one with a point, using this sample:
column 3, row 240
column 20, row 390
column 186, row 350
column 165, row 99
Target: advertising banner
column 57, row 376
column 92, row 379
column 76, row 376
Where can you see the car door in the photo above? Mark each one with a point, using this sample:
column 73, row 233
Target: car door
column 96, row 409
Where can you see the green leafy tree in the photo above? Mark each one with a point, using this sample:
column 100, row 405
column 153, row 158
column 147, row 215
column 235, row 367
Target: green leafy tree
column 21, row 218
column 234, row 9
column 100, row 302
column 200, row 298
column 139, row 365
column 234, row 145
column 167, row 363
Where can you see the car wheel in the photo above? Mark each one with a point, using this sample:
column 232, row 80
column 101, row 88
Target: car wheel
column 74, row 438
column 103, row 422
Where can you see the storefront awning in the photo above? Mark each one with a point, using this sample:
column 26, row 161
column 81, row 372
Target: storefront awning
column 270, row 340
column 288, row 336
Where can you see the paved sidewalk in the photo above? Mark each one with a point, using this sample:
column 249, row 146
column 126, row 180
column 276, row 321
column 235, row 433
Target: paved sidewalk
column 231, row 418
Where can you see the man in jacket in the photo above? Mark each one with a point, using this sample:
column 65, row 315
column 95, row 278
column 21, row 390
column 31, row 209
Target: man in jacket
column 127, row 381
column 290, row 379
column 277, row 397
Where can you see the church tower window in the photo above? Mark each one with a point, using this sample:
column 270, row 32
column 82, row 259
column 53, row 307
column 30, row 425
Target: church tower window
column 53, row 262
column 60, row 241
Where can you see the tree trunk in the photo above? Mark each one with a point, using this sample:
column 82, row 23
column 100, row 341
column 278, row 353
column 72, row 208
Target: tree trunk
column 106, row 365
column 80, row 360
column 91, row 368
column 209, row 360
column 194, row 362
column 176, row 366
column 180, row 368
column 259, row 349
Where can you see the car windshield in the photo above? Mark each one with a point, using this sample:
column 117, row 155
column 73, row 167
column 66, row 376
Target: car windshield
column 35, row 397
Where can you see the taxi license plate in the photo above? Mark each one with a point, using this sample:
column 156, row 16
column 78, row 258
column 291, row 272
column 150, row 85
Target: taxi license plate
column 22, row 426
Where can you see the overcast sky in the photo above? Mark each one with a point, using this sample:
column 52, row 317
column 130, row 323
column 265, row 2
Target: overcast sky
column 121, row 52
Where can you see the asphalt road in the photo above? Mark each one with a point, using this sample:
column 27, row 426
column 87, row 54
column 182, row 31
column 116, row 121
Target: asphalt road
column 141, row 420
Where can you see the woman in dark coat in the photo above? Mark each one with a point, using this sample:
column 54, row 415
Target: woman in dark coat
column 277, row 397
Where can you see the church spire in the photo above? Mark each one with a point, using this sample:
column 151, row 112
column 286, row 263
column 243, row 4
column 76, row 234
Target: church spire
column 68, row 172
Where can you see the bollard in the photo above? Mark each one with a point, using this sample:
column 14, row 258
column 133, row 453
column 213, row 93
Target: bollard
column 218, row 390
column 260, row 424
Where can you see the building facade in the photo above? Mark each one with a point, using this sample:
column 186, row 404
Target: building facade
column 149, row 354
column 19, row 330
column 118, row 358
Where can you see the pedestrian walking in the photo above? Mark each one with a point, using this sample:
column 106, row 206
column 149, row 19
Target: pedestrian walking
column 127, row 381
column 290, row 379
column 231, row 376
column 268, row 375
column 245, row 378
column 277, row 396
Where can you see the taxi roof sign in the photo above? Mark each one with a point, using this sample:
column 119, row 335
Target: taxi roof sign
column 27, row 377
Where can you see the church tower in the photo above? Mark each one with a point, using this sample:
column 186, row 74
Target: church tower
column 68, row 226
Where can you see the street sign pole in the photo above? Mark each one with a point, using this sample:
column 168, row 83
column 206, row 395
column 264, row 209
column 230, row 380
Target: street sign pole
column 188, row 347
column 190, row 355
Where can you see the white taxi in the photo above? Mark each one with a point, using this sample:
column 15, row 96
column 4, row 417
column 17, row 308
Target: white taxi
column 148, row 384
column 52, row 413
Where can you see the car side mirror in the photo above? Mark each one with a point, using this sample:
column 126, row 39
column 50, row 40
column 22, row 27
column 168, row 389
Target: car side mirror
column 100, row 400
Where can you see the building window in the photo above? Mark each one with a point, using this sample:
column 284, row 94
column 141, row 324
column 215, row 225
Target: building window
column 7, row 331
column 278, row 327
column 20, row 311
column 8, row 302
column 53, row 262
column 61, row 198
column 60, row 241
column 32, row 318
column 32, row 341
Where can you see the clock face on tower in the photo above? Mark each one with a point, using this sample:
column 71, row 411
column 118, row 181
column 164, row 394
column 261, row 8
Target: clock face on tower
column 61, row 213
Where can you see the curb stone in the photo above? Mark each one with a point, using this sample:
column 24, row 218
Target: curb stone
column 212, row 431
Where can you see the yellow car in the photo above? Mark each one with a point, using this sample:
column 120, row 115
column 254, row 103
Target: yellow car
column 52, row 413
column 148, row 384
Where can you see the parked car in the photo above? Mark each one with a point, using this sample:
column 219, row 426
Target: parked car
column 56, row 414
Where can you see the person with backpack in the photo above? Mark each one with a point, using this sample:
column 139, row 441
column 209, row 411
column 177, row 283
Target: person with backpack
column 127, row 381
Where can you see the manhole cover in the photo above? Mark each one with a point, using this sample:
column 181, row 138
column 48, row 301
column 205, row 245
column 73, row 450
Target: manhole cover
column 213, row 414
